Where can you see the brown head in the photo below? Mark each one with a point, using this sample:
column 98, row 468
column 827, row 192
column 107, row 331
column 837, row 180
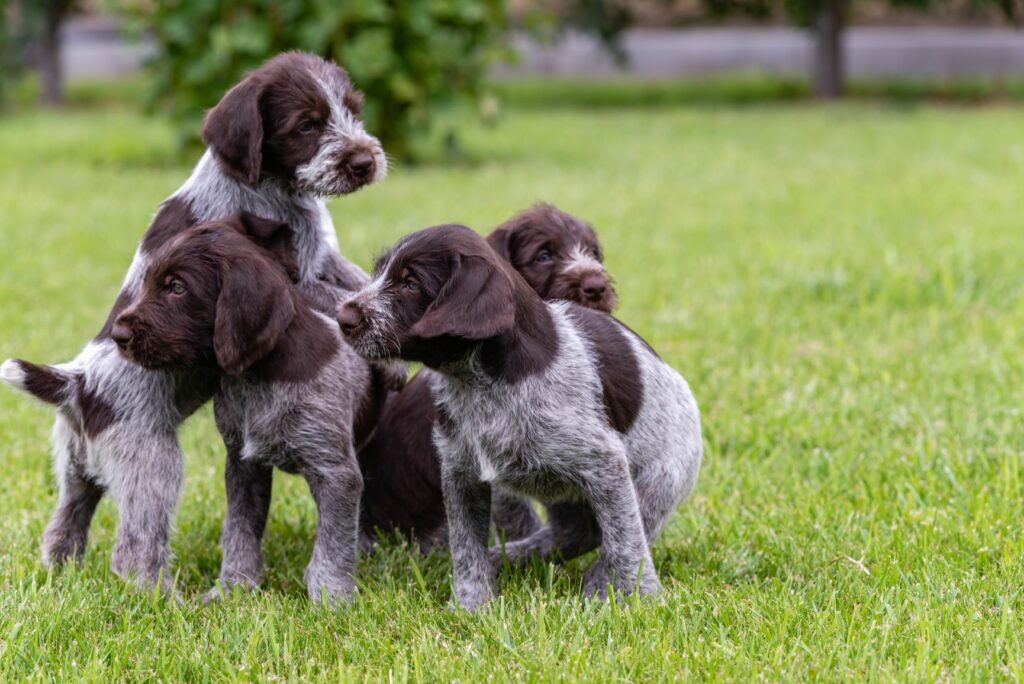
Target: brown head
column 219, row 294
column 295, row 120
column 558, row 255
column 439, row 293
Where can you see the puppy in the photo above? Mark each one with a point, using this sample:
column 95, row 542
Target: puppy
column 545, row 399
column 291, row 392
column 560, row 258
column 283, row 138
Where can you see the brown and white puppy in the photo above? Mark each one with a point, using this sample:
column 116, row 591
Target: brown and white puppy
column 291, row 392
column 561, row 258
column 544, row 399
column 278, row 142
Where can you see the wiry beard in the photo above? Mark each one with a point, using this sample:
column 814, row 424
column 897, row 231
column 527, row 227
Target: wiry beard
column 325, row 175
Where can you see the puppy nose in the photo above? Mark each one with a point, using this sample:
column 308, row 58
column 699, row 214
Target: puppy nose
column 350, row 318
column 361, row 164
column 593, row 286
column 121, row 334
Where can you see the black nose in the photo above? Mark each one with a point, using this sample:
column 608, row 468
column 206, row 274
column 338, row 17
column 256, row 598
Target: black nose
column 361, row 164
column 593, row 286
column 350, row 319
column 121, row 334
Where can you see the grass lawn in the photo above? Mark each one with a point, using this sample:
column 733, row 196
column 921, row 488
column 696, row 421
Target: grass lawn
column 842, row 287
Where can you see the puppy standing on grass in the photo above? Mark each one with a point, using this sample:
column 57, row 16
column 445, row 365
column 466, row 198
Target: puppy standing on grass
column 546, row 399
column 284, row 137
column 560, row 257
column 291, row 392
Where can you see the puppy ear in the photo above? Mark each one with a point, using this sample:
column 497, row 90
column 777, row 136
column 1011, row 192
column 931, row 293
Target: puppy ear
column 277, row 237
column 500, row 241
column 254, row 309
column 234, row 131
column 476, row 303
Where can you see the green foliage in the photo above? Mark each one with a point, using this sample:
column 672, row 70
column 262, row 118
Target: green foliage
column 410, row 57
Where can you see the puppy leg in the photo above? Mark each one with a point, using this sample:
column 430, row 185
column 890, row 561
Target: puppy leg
column 658, row 491
column 146, row 486
column 248, row 486
column 467, row 502
column 514, row 517
column 336, row 488
column 67, row 533
column 571, row 532
column 625, row 554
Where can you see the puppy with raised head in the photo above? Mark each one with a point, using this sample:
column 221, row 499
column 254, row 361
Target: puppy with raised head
column 545, row 399
column 291, row 392
column 560, row 257
column 287, row 135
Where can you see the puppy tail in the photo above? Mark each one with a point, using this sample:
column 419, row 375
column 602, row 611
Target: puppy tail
column 46, row 383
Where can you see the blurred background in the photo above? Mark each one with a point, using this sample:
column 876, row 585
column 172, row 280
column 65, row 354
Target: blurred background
column 419, row 61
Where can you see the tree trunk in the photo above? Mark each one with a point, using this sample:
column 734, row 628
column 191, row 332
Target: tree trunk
column 829, row 69
column 50, row 76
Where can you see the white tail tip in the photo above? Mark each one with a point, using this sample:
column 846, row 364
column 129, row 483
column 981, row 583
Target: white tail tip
column 12, row 373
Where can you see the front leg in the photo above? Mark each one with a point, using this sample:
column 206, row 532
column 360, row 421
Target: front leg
column 467, row 501
column 248, row 486
column 146, row 486
column 625, row 554
column 336, row 487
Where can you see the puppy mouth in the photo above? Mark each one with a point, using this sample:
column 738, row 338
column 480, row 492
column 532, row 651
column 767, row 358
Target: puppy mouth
column 340, row 169
column 605, row 300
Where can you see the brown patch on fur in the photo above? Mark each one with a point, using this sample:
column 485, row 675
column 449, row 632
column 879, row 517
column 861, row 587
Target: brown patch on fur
column 400, row 467
column 97, row 415
column 621, row 382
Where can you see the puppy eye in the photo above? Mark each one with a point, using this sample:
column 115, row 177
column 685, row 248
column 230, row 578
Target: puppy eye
column 543, row 257
column 305, row 127
column 411, row 285
column 177, row 287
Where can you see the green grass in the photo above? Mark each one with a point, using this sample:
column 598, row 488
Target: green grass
column 841, row 286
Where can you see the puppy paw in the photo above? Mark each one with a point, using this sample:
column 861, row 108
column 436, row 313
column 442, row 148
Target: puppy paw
column 332, row 593
column 224, row 588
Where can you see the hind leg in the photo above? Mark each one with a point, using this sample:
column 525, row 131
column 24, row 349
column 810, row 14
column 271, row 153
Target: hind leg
column 145, row 484
column 67, row 533
column 572, row 530
column 514, row 517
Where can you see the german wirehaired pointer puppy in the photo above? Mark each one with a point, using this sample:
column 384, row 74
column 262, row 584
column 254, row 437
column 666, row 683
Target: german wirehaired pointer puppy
column 545, row 399
column 291, row 391
column 560, row 257
column 280, row 140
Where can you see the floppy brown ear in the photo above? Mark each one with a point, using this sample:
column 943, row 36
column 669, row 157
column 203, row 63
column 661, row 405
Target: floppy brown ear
column 277, row 237
column 234, row 131
column 475, row 304
column 500, row 241
column 254, row 309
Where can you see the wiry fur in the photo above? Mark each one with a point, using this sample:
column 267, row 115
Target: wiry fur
column 557, row 253
column 131, row 448
column 290, row 389
column 522, row 406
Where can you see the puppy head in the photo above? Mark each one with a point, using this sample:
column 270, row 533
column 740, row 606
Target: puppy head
column 433, row 295
column 295, row 119
column 219, row 293
column 557, row 254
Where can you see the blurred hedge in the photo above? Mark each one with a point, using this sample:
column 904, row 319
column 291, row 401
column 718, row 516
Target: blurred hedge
column 408, row 56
